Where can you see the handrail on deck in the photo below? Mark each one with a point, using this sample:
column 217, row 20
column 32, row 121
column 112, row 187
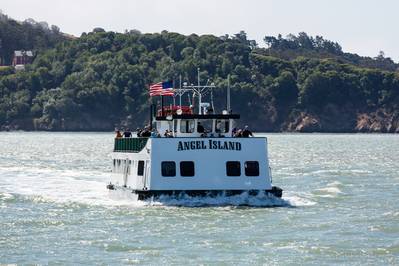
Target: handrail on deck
column 129, row 144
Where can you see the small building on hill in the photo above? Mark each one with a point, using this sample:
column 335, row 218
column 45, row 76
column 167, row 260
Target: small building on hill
column 22, row 58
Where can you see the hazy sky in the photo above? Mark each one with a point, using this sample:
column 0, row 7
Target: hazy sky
column 361, row 26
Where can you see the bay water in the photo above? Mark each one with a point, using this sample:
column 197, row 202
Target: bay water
column 340, row 206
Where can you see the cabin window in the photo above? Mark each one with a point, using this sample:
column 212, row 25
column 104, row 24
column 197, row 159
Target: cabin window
column 251, row 168
column 168, row 168
column 187, row 168
column 140, row 168
column 233, row 168
column 222, row 126
column 187, row 126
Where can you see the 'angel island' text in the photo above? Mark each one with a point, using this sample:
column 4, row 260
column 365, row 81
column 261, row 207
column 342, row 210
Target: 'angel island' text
column 210, row 144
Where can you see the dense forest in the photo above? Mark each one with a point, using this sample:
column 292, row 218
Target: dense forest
column 100, row 80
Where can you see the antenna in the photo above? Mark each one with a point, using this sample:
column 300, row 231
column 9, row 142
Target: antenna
column 179, row 93
column 213, row 107
column 228, row 94
column 199, row 94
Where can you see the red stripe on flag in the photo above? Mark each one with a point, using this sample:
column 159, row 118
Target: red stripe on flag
column 157, row 90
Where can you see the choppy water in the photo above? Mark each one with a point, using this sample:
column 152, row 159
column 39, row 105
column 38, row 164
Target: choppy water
column 340, row 206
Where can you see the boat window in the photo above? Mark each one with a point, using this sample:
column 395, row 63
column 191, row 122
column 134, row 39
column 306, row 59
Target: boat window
column 168, row 168
column 251, row 168
column 187, row 168
column 222, row 126
column 204, row 126
column 187, row 126
column 233, row 168
column 170, row 124
column 140, row 168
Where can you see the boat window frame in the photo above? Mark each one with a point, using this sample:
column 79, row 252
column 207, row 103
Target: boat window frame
column 184, row 174
column 165, row 173
column 229, row 169
column 257, row 172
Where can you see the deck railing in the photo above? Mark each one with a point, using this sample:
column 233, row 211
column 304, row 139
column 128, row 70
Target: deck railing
column 129, row 144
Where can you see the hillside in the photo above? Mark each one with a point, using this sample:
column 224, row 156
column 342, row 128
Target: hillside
column 100, row 80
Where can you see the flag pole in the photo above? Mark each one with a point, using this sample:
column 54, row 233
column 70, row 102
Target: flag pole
column 162, row 105
column 174, row 96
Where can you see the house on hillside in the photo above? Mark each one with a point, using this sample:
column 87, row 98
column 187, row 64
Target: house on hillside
column 22, row 58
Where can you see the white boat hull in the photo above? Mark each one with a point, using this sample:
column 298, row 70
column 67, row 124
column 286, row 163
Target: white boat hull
column 141, row 171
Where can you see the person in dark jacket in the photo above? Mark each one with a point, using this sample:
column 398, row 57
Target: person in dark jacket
column 127, row 133
column 146, row 132
column 246, row 132
column 200, row 128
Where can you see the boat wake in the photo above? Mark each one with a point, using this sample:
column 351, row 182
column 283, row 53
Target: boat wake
column 89, row 188
column 184, row 200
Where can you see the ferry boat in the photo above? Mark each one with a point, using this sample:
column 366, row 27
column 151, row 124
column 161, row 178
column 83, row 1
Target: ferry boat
column 194, row 152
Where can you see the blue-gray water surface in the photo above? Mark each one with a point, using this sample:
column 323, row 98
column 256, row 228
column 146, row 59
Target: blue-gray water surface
column 340, row 206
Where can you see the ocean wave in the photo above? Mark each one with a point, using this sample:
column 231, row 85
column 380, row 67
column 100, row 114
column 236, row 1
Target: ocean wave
column 299, row 199
column 331, row 190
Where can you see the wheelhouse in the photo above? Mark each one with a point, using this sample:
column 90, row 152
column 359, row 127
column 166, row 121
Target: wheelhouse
column 196, row 125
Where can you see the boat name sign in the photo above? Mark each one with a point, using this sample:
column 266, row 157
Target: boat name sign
column 210, row 144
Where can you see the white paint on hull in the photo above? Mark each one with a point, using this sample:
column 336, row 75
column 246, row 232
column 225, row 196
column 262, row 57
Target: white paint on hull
column 209, row 156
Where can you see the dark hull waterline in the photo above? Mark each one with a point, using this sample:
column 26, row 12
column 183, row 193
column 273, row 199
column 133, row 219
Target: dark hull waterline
column 145, row 194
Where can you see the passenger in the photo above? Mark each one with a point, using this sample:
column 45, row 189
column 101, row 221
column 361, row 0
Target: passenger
column 166, row 134
column 234, row 131
column 138, row 132
column 127, row 133
column 146, row 133
column 118, row 134
column 246, row 133
column 219, row 127
column 200, row 128
column 238, row 134
column 155, row 134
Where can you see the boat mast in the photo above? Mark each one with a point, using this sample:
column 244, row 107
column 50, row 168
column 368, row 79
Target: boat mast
column 196, row 90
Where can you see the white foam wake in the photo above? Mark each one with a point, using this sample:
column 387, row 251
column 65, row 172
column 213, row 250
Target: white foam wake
column 330, row 191
column 85, row 187
column 243, row 199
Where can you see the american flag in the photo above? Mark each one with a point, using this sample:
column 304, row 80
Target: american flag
column 162, row 88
